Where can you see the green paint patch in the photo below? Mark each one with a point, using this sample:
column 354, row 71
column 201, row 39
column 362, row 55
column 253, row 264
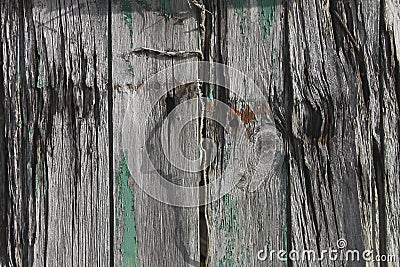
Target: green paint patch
column 129, row 246
column 229, row 225
column 126, row 7
column 211, row 95
column 230, row 217
column 239, row 8
column 166, row 8
column 266, row 14
column 40, row 83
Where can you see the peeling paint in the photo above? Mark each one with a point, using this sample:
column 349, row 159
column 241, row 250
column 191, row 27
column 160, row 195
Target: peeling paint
column 129, row 246
column 211, row 95
column 229, row 225
column 266, row 14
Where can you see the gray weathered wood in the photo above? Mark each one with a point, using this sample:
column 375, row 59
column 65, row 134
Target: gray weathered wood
column 166, row 235
column 330, row 73
column 55, row 74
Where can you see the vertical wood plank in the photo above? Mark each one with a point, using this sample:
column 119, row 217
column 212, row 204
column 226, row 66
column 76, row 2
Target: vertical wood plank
column 56, row 123
column 148, row 232
column 253, row 215
column 72, row 57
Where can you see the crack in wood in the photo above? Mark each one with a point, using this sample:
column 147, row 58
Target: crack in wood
column 167, row 53
column 352, row 39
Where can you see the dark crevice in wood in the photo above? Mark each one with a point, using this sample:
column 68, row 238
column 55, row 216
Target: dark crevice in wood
column 363, row 76
column 23, row 221
column 171, row 101
column 4, row 180
column 110, row 133
column 378, row 147
column 321, row 184
column 337, row 33
column 360, row 178
column 288, row 135
column 331, row 192
column 380, row 183
column 349, row 33
column 214, row 27
column 221, row 93
column 206, row 28
column 303, row 169
column 313, row 121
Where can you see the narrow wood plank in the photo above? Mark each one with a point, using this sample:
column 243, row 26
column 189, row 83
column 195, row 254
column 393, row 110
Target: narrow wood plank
column 72, row 51
column 253, row 215
column 56, row 114
column 149, row 232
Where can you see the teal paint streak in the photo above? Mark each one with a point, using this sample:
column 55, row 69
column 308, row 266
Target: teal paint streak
column 126, row 7
column 266, row 14
column 239, row 7
column 129, row 246
column 166, row 7
column 211, row 95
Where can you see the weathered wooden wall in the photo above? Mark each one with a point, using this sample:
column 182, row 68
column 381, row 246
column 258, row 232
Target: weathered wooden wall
column 71, row 71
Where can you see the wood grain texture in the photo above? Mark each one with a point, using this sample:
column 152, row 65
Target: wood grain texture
column 243, row 222
column 55, row 72
column 334, row 80
column 166, row 234
column 330, row 73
